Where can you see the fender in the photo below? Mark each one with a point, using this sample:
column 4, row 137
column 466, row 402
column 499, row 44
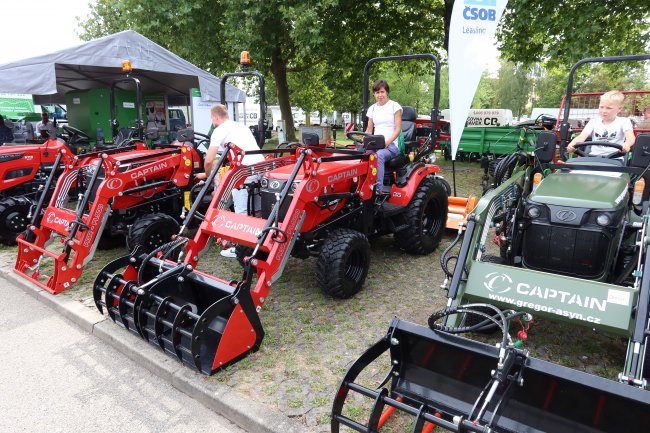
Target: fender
column 406, row 185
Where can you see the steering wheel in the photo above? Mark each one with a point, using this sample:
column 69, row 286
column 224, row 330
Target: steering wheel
column 74, row 134
column 613, row 155
column 288, row 145
column 354, row 136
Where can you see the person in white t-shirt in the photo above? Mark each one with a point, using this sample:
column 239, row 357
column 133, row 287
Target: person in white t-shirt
column 384, row 118
column 229, row 131
column 45, row 128
column 608, row 127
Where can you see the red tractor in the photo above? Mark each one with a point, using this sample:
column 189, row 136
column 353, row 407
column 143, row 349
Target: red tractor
column 23, row 172
column 315, row 201
column 132, row 191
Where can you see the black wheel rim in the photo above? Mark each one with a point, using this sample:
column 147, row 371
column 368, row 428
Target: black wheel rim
column 155, row 240
column 354, row 266
column 16, row 222
column 431, row 223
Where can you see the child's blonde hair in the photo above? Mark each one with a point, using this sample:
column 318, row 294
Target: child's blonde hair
column 613, row 95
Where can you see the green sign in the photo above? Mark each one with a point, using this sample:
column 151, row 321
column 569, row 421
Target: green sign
column 591, row 303
column 15, row 105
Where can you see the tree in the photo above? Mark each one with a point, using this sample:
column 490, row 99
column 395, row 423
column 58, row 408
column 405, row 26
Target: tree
column 512, row 88
column 561, row 32
column 310, row 92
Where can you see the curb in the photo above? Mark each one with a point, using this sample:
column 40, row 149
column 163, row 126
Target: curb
column 251, row 416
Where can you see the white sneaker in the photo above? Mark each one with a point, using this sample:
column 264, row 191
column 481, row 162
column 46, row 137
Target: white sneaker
column 229, row 252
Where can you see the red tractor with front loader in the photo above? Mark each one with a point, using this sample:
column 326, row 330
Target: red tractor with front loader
column 130, row 191
column 24, row 169
column 316, row 201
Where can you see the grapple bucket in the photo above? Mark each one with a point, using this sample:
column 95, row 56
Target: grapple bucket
column 206, row 323
column 468, row 386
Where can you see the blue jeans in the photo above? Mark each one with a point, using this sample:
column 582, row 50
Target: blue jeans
column 384, row 155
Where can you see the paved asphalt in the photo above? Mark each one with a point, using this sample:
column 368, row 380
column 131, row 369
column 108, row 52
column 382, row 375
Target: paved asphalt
column 54, row 378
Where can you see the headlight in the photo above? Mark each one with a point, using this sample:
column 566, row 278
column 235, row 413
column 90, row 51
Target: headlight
column 264, row 183
column 603, row 220
column 533, row 212
column 294, row 186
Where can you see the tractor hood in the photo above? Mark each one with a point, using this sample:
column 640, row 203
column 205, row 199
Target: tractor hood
column 582, row 189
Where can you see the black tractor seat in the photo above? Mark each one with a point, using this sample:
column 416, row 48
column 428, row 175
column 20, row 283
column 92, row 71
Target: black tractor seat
column 410, row 140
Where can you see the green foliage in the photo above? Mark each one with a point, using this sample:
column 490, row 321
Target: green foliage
column 512, row 88
column 485, row 96
column 309, row 90
column 294, row 37
column 560, row 32
column 549, row 87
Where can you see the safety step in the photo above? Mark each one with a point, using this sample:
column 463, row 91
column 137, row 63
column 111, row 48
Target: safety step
column 390, row 209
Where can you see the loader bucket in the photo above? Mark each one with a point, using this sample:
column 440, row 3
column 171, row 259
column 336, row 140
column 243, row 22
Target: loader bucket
column 459, row 208
column 206, row 323
column 455, row 383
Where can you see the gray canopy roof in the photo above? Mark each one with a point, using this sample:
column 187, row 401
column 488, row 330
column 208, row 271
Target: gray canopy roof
column 96, row 63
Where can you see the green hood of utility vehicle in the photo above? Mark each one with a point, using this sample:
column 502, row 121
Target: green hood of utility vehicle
column 583, row 190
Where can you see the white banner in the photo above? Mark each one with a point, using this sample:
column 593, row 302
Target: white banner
column 471, row 35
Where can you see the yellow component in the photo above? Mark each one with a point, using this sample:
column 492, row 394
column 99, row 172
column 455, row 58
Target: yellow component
column 411, row 156
column 372, row 157
column 184, row 150
column 537, row 178
column 245, row 58
column 374, row 171
column 186, row 199
column 126, row 66
column 188, row 162
column 639, row 186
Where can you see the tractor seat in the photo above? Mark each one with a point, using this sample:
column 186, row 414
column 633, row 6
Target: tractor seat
column 641, row 158
column 119, row 139
column 410, row 140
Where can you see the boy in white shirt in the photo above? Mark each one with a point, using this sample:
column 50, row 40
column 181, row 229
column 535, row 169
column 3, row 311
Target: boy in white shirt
column 608, row 127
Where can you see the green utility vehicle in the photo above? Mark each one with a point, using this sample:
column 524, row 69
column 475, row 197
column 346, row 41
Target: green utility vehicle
column 564, row 241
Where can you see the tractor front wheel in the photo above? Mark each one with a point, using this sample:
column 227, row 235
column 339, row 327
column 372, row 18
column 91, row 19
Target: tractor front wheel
column 343, row 263
column 151, row 231
column 13, row 218
column 426, row 216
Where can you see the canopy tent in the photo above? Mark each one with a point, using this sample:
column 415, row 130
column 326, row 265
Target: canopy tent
column 96, row 63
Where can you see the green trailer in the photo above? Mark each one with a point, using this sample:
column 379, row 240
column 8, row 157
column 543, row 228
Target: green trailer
column 476, row 142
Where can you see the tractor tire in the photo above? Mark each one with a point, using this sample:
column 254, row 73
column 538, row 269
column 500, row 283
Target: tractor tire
column 445, row 184
column 13, row 218
column 343, row 263
column 426, row 216
column 151, row 231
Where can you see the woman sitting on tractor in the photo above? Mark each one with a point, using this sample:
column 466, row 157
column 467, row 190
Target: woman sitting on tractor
column 384, row 118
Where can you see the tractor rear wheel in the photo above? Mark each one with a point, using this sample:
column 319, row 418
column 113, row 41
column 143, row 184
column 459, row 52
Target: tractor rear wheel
column 343, row 263
column 151, row 231
column 426, row 216
column 13, row 218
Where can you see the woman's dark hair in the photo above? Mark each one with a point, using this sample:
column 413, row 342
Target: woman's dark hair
column 380, row 84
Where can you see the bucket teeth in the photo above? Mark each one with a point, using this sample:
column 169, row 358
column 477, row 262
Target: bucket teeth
column 186, row 317
column 463, row 385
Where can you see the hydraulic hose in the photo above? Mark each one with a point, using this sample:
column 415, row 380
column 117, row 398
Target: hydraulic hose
column 167, row 248
column 477, row 309
column 444, row 260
